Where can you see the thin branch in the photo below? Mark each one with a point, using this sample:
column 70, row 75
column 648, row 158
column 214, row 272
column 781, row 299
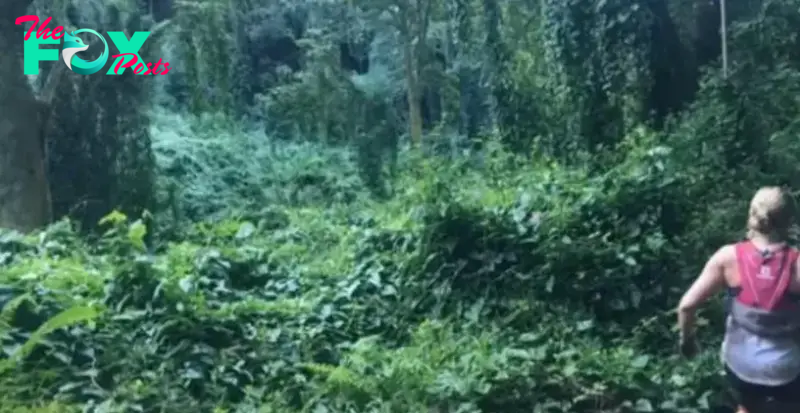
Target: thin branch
column 159, row 29
column 723, row 29
column 425, row 18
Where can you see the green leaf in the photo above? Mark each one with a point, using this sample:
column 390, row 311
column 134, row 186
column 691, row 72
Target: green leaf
column 63, row 319
column 643, row 405
column 245, row 230
column 12, row 304
column 640, row 362
column 136, row 234
column 678, row 380
column 585, row 325
column 114, row 218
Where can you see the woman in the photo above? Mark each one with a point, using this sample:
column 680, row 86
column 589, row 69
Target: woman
column 761, row 349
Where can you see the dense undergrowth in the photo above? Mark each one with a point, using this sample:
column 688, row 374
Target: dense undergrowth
column 520, row 286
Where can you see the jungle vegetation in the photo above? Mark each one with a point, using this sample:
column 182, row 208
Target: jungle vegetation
column 383, row 206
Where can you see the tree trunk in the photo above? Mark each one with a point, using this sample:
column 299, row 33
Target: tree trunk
column 24, row 190
column 460, row 26
column 494, row 51
column 413, row 94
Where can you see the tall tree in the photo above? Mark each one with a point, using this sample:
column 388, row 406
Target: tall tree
column 412, row 20
column 495, row 53
column 461, row 32
column 24, row 190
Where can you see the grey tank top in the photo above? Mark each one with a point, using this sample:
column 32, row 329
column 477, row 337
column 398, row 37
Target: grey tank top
column 762, row 347
column 766, row 361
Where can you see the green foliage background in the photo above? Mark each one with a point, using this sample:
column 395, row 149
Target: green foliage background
column 273, row 241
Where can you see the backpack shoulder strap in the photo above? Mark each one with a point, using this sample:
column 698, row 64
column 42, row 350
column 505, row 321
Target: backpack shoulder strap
column 746, row 294
column 743, row 250
column 790, row 269
column 784, row 275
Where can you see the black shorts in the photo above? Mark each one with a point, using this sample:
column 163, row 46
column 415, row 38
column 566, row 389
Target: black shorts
column 752, row 396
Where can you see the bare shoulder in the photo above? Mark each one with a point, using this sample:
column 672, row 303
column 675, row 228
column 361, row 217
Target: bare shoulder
column 723, row 262
column 725, row 255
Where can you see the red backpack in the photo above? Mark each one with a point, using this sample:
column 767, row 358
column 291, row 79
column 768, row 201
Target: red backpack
column 763, row 305
column 765, row 276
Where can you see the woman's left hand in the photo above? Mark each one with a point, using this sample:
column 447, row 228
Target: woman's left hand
column 689, row 347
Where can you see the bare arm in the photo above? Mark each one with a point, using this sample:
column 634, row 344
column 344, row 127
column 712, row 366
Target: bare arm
column 710, row 282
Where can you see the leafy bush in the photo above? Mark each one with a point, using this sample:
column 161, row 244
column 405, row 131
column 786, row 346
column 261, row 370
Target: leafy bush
column 211, row 165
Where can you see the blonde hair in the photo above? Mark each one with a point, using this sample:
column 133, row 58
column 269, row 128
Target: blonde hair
column 771, row 214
